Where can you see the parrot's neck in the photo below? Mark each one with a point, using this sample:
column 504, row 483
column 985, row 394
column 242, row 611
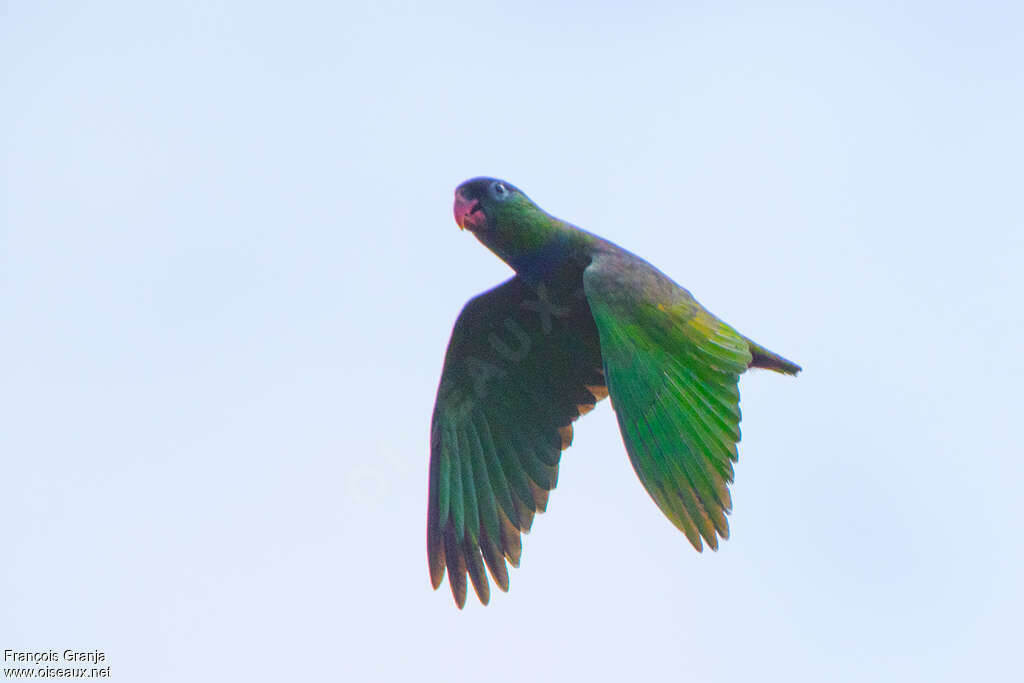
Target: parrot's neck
column 551, row 252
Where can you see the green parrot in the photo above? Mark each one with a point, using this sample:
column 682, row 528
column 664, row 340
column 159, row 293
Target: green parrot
column 581, row 319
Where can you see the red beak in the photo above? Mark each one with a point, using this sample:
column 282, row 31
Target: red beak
column 465, row 210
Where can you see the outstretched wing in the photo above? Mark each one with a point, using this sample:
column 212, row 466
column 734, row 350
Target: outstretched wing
column 672, row 370
column 521, row 366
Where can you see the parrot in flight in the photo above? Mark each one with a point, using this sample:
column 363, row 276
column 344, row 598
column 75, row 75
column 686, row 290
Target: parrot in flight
column 580, row 320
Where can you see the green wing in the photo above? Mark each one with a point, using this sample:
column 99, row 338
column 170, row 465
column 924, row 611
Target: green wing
column 521, row 366
column 672, row 370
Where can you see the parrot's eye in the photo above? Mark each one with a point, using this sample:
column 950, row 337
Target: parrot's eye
column 500, row 191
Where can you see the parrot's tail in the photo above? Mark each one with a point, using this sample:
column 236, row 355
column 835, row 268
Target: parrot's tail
column 763, row 358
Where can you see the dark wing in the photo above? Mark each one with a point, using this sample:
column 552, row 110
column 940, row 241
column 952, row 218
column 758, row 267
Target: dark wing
column 521, row 366
column 672, row 370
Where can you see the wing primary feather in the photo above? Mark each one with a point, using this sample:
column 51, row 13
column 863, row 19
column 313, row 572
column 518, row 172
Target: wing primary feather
column 469, row 501
column 565, row 432
column 684, row 488
column 526, row 511
column 694, row 488
column 711, row 426
column 435, row 543
column 517, row 479
column 486, row 503
column 451, row 449
column 544, row 447
column 705, row 453
column 540, row 495
column 718, row 451
column 645, row 465
column 495, row 561
column 511, row 542
column 535, row 469
column 456, row 567
column 697, row 513
column 477, row 574
column 500, row 485
column 443, row 466
column 715, row 406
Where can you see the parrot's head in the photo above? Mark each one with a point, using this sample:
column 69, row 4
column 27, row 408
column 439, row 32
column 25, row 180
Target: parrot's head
column 487, row 204
column 502, row 217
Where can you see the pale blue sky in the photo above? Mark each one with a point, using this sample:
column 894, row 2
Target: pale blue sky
column 228, row 273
